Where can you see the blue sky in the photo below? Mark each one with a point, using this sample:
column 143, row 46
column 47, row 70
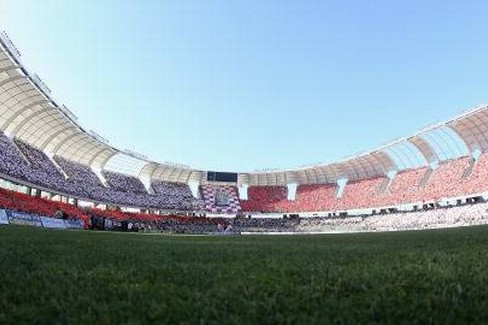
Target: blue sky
column 246, row 85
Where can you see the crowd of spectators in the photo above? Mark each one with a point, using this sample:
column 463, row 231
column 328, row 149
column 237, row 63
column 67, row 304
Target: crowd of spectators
column 404, row 187
column 85, row 179
column 477, row 180
column 446, row 179
column 361, row 194
column 124, row 183
column 11, row 161
column 256, row 225
column 38, row 169
column 16, row 201
column 193, row 225
column 266, row 199
column 466, row 215
column 222, row 199
column 176, row 195
column 141, row 222
column 451, row 178
column 315, row 197
column 24, row 162
column 107, row 219
column 81, row 174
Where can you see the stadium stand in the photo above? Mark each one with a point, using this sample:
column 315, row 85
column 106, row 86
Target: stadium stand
column 68, row 177
column 83, row 177
column 315, row 197
column 78, row 173
column 404, row 187
column 220, row 199
column 460, row 216
column 174, row 195
column 30, row 204
column 42, row 171
column 32, row 165
column 124, row 183
column 38, row 160
column 449, row 179
column 11, row 162
column 21, row 202
column 361, row 194
column 37, row 168
column 446, row 179
column 171, row 189
column 257, row 225
column 477, row 181
column 470, row 214
column 69, row 173
column 266, row 199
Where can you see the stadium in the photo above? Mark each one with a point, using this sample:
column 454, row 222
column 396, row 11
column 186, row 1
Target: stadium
column 94, row 233
column 436, row 174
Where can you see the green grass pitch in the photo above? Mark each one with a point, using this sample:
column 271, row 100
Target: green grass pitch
column 49, row 276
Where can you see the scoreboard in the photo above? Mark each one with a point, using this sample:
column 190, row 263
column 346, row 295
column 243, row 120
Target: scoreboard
column 221, row 177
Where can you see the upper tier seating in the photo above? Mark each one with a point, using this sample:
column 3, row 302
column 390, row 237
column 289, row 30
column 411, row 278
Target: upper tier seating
column 43, row 172
column 452, row 178
column 405, row 186
column 435, row 218
column 38, row 159
column 315, row 197
column 124, row 183
column 362, row 194
column 78, row 173
column 266, row 199
column 171, row 189
column 449, row 179
column 82, row 182
column 477, row 181
column 220, row 199
column 446, row 179
column 11, row 162
column 176, row 195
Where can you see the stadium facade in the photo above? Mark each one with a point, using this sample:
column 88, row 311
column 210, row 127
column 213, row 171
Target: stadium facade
column 43, row 148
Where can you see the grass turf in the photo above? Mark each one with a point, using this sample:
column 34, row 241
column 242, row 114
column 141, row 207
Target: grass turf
column 50, row 276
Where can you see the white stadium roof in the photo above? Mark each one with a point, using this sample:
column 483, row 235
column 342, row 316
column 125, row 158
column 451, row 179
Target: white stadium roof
column 29, row 112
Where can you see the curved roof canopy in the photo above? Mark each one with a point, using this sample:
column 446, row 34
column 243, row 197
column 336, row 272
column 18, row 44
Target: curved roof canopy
column 29, row 112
